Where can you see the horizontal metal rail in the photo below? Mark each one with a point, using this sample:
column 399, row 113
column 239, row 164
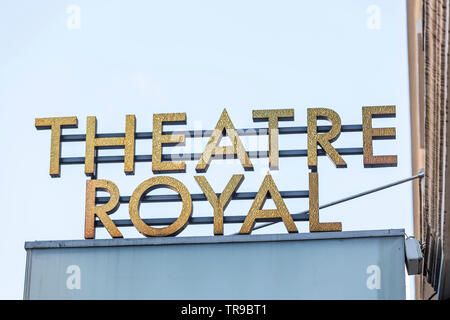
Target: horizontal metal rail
column 195, row 220
column 207, row 133
column 202, row 197
column 197, row 156
column 197, row 197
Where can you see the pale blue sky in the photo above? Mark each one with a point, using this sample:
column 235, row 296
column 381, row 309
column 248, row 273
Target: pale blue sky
column 198, row 57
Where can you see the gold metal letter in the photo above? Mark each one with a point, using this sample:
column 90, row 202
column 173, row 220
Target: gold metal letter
column 93, row 143
column 55, row 124
column 256, row 212
column 369, row 134
column 220, row 203
column 273, row 116
column 323, row 139
column 149, row 185
column 314, row 224
column 101, row 211
column 159, row 139
column 212, row 149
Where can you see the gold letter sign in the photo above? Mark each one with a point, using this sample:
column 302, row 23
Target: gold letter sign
column 323, row 139
column 273, row 116
column 159, row 139
column 224, row 125
column 154, row 183
column 257, row 212
column 316, row 135
column 101, row 211
column 55, row 124
column 220, row 203
column 314, row 224
column 370, row 134
column 92, row 143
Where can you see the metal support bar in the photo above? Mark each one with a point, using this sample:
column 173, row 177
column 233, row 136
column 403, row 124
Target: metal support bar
column 419, row 175
column 199, row 197
column 202, row 197
column 197, row 156
column 207, row 133
column 194, row 220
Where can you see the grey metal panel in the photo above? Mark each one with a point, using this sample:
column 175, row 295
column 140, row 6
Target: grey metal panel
column 26, row 289
column 288, row 266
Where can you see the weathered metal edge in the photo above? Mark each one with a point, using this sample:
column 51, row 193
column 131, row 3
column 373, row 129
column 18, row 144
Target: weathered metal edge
column 212, row 239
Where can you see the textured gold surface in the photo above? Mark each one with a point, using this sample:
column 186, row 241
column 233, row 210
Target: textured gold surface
column 154, row 183
column 159, row 139
column 273, row 116
column 370, row 134
column 324, row 139
column 55, row 124
column 314, row 224
column 219, row 204
column 256, row 212
column 101, row 211
column 128, row 142
column 213, row 148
